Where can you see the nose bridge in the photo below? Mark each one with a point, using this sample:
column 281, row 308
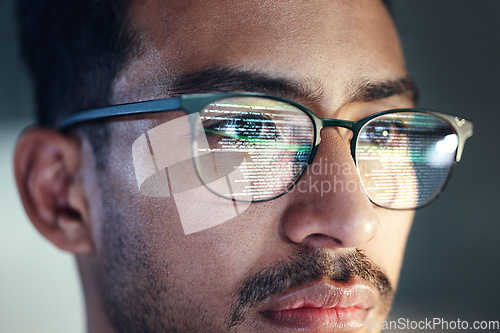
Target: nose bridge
column 340, row 213
column 326, row 122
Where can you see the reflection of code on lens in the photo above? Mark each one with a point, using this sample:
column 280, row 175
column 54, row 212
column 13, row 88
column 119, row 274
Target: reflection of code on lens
column 265, row 141
column 405, row 158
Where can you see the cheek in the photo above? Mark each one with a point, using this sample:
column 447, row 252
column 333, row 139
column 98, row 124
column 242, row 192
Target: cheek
column 211, row 261
column 210, row 265
column 387, row 248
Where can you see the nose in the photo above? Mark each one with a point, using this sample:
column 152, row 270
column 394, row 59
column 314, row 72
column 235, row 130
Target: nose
column 328, row 206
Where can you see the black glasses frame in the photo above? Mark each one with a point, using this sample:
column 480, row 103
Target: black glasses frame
column 194, row 103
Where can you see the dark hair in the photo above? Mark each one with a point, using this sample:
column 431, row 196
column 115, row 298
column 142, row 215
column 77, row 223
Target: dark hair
column 74, row 49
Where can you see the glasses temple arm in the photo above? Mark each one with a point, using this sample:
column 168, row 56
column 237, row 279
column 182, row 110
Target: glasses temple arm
column 121, row 110
column 464, row 129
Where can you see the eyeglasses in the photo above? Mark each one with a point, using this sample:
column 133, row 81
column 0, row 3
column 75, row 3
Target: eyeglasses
column 261, row 145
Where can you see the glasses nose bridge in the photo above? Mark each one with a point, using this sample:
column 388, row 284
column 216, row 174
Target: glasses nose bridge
column 336, row 123
column 325, row 122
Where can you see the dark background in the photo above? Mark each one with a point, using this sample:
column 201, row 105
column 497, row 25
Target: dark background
column 451, row 269
column 452, row 265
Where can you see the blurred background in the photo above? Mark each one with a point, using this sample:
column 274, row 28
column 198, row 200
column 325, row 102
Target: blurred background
column 452, row 266
column 451, row 269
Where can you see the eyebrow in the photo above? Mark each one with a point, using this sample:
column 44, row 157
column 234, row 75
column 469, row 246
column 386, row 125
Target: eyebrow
column 367, row 90
column 224, row 79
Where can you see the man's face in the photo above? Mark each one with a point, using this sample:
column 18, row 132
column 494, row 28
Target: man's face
column 309, row 260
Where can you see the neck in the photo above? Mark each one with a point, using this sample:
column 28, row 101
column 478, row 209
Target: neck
column 97, row 317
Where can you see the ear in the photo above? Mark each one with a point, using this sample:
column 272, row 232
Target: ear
column 46, row 165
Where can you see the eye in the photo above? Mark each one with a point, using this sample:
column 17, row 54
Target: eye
column 384, row 132
column 249, row 128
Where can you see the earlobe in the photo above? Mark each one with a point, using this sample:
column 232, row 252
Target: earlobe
column 46, row 166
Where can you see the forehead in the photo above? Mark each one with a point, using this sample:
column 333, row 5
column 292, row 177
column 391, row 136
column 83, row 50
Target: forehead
column 327, row 41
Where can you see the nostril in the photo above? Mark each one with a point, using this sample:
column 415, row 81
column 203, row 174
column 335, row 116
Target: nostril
column 318, row 240
column 338, row 241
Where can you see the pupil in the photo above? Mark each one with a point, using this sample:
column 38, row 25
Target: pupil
column 380, row 132
column 246, row 127
column 301, row 156
column 300, row 159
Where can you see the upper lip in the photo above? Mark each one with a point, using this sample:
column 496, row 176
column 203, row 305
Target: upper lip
column 323, row 294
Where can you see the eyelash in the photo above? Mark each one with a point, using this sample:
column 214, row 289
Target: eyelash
column 388, row 134
column 251, row 126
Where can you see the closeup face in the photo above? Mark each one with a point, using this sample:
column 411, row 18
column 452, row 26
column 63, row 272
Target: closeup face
column 309, row 260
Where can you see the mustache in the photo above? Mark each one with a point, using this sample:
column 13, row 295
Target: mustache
column 307, row 266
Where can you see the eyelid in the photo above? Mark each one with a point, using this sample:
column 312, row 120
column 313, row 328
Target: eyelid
column 395, row 128
column 263, row 119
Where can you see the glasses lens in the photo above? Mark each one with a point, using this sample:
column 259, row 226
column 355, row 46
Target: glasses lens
column 251, row 148
column 404, row 158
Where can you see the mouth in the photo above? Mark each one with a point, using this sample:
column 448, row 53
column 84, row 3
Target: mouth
column 323, row 306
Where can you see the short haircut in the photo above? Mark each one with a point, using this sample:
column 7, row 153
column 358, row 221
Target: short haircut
column 74, row 50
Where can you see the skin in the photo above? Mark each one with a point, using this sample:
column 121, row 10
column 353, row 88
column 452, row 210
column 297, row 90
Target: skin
column 140, row 272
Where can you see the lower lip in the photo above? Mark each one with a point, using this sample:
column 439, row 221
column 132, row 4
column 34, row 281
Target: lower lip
column 339, row 319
